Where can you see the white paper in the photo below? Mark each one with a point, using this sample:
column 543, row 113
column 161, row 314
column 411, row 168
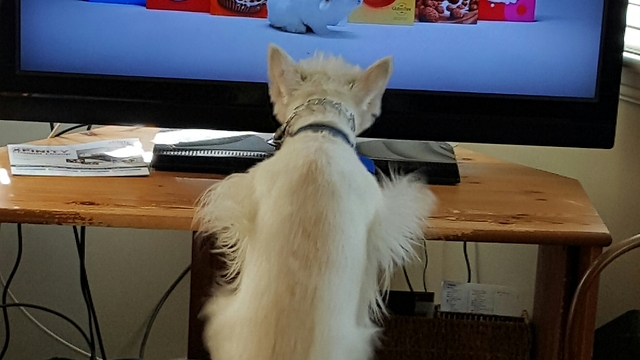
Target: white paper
column 454, row 297
column 479, row 299
column 122, row 157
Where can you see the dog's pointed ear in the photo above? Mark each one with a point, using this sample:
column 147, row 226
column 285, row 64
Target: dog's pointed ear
column 370, row 86
column 284, row 76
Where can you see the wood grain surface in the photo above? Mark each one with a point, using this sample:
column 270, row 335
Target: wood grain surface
column 496, row 201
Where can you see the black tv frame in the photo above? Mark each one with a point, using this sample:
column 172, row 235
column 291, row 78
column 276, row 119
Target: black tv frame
column 411, row 115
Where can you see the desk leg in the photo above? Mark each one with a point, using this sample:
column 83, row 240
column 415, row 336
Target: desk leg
column 559, row 271
column 202, row 272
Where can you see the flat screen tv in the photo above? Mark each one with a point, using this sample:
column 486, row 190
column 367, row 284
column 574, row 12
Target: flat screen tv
column 526, row 72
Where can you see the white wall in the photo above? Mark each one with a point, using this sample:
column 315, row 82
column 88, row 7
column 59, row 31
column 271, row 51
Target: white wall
column 130, row 269
column 611, row 178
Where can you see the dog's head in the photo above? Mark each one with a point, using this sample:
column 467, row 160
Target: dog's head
column 291, row 84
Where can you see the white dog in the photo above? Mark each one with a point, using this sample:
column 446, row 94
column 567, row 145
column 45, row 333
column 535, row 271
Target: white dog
column 297, row 16
column 309, row 236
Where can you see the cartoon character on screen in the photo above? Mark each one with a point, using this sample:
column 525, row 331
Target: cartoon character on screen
column 301, row 16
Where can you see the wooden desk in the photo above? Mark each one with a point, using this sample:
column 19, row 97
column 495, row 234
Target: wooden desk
column 496, row 202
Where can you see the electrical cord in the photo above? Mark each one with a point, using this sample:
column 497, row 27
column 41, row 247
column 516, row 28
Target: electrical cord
column 22, row 306
column 466, row 259
column 86, row 292
column 42, row 327
column 53, row 312
column 90, row 312
column 75, row 348
column 84, row 282
column 406, row 278
column 65, row 131
column 5, row 292
column 424, row 271
column 54, row 130
column 156, row 311
column 80, row 243
column 34, row 320
column 56, row 126
column 426, row 263
column 147, row 331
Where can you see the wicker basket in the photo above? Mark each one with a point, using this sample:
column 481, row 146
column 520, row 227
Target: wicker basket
column 456, row 337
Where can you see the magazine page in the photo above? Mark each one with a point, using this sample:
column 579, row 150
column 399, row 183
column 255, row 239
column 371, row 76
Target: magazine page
column 121, row 157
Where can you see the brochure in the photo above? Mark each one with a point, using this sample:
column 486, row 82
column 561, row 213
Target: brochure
column 121, row 157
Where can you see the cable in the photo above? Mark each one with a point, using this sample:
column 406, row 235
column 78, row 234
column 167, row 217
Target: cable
column 80, row 244
column 466, row 259
column 83, row 237
column 86, row 291
column 426, row 263
column 53, row 312
column 38, row 324
column 68, row 344
column 81, row 258
column 80, row 239
column 56, row 126
column 406, row 277
column 54, row 130
column 152, row 319
column 42, row 327
column 5, row 292
column 71, row 129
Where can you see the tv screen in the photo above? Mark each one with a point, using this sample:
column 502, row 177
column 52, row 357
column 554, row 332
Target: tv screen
column 529, row 72
column 555, row 55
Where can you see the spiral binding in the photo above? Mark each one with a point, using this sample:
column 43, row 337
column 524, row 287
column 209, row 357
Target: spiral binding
column 214, row 153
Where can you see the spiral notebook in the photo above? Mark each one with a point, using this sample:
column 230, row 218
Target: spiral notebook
column 209, row 151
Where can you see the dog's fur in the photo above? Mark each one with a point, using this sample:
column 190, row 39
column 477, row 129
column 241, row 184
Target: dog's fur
column 309, row 236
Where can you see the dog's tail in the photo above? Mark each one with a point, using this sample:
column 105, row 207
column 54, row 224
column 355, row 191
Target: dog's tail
column 227, row 210
column 400, row 221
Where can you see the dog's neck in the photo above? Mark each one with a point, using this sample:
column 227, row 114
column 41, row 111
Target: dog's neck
column 293, row 126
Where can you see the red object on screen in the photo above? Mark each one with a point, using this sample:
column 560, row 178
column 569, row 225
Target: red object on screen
column 185, row 5
column 378, row 3
column 507, row 10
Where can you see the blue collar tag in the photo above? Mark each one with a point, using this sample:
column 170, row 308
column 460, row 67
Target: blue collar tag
column 368, row 163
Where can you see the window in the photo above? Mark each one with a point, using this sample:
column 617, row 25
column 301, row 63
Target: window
column 632, row 34
column 630, row 86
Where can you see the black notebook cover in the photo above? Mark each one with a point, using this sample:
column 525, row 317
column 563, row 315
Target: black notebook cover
column 216, row 156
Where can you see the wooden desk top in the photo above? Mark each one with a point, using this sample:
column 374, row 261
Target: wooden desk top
column 496, row 201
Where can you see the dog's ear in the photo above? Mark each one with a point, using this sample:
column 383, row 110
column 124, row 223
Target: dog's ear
column 284, row 76
column 369, row 88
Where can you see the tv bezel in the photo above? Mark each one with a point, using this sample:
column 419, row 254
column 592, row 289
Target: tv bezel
column 410, row 115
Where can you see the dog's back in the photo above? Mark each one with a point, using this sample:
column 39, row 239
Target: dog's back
column 307, row 232
column 299, row 293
